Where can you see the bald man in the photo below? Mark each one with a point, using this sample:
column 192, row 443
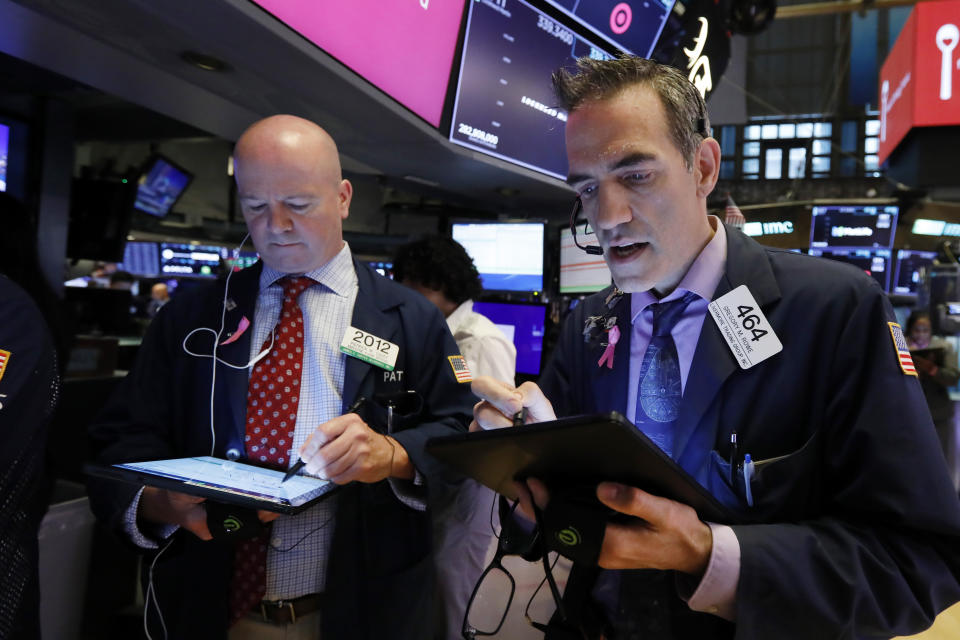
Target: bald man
column 357, row 564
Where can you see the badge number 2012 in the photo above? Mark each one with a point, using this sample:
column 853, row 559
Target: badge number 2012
column 369, row 348
column 744, row 327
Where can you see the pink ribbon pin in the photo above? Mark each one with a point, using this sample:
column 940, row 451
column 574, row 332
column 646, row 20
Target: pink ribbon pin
column 613, row 337
column 244, row 323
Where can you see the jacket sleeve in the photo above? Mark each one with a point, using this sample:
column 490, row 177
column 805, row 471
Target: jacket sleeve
column 135, row 424
column 880, row 558
column 447, row 403
column 558, row 377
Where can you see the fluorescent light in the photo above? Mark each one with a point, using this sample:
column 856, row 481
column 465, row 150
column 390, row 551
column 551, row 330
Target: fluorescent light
column 924, row 227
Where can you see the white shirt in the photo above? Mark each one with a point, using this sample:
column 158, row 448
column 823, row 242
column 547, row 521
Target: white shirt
column 297, row 554
column 485, row 347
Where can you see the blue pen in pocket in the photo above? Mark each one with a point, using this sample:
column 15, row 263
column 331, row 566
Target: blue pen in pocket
column 747, row 478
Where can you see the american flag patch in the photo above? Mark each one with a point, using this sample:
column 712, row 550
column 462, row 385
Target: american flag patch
column 903, row 353
column 460, row 369
column 4, row 359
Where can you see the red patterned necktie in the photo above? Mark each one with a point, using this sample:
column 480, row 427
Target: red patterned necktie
column 273, row 395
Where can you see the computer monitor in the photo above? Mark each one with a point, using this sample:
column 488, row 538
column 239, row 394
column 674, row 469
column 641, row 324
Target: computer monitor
column 875, row 263
column 525, row 324
column 581, row 272
column 243, row 260
column 141, row 259
column 4, row 152
column 508, row 255
column 505, row 106
column 190, row 260
column 17, row 148
column 853, row 226
column 160, row 186
column 404, row 48
column 633, row 26
column 909, row 265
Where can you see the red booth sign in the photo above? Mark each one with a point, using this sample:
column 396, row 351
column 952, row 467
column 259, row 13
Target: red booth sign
column 920, row 80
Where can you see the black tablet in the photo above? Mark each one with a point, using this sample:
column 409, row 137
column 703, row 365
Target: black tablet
column 573, row 452
column 223, row 481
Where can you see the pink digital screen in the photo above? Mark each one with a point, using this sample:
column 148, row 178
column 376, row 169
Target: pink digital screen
column 404, row 47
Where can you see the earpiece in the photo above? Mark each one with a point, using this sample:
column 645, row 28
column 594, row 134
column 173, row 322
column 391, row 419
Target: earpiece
column 594, row 250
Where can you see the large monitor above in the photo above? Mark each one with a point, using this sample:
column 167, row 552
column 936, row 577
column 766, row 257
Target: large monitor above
column 522, row 323
column 160, row 186
column 875, row 263
column 581, row 272
column 505, row 105
column 403, row 48
column 188, row 260
column 909, row 266
column 508, row 255
column 853, row 226
column 633, row 26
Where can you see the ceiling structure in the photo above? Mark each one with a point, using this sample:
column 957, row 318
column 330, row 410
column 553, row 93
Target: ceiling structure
column 132, row 49
column 129, row 52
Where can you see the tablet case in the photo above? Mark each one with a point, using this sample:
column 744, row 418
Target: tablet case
column 214, row 493
column 575, row 452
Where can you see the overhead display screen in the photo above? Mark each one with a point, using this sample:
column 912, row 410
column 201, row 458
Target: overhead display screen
column 633, row 26
column 190, row 259
column 853, row 226
column 508, row 255
column 4, row 152
column 875, row 263
column 160, row 187
column 505, row 105
column 404, row 47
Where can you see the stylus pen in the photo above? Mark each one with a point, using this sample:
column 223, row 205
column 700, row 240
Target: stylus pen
column 520, row 417
column 300, row 464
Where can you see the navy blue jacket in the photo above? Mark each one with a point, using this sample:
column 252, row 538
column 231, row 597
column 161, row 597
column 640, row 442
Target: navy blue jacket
column 379, row 580
column 855, row 529
column 28, row 397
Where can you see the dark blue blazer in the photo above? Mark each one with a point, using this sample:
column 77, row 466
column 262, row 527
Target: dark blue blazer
column 379, row 580
column 855, row 528
column 28, row 397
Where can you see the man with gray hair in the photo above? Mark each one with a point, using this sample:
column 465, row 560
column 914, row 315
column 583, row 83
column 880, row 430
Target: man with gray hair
column 780, row 382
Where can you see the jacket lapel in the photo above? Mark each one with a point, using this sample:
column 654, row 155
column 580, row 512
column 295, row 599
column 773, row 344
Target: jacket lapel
column 713, row 362
column 610, row 386
column 369, row 315
column 230, row 396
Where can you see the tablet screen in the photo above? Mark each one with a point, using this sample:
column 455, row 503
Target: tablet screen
column 236, row 478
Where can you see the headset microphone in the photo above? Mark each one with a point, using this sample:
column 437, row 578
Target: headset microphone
column 594, row 250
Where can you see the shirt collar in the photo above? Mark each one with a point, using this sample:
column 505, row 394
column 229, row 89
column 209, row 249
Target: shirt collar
column 701, row 278
column 338, row 274
column 459, row 314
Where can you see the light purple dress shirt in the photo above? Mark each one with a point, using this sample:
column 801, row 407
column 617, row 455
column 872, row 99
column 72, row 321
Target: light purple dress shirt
column 717, row 591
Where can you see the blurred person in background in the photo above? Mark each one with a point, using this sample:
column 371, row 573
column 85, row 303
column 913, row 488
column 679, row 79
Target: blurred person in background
column 159, row 296
column 936, row 363
column 440, row 269
column 31, row 344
